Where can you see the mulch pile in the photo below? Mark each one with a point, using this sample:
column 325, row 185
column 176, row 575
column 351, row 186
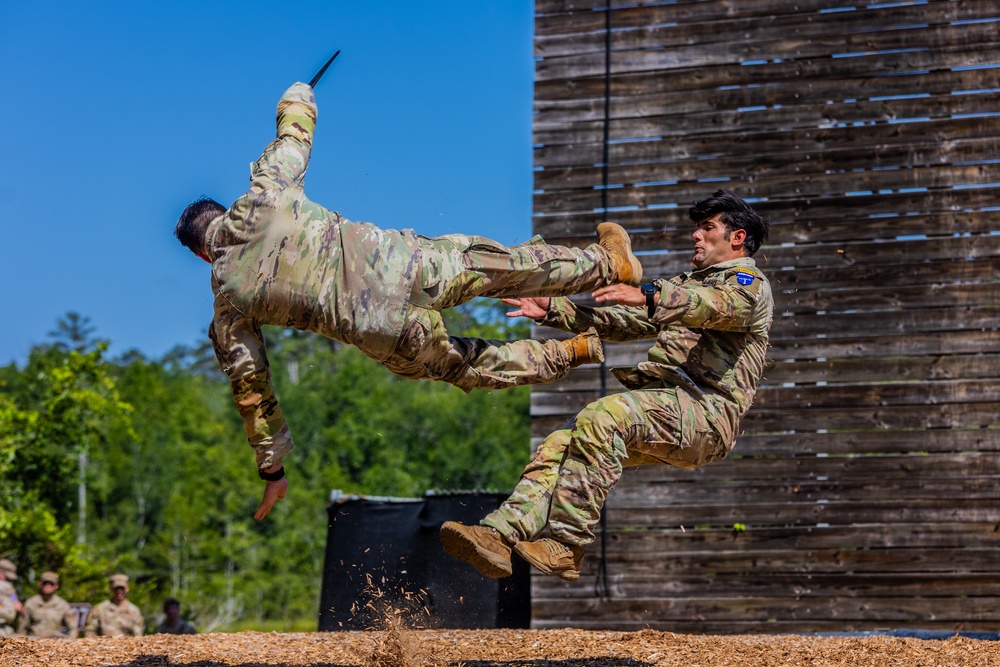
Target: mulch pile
column 398, row 647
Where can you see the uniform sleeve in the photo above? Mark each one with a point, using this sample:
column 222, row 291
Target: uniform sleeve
column 69, row 622
column 284, row 161
column 23, row 621
column 138, row 622
column 93, row 625
column 728, row 306
column 612, row 322
column 239, row 348
column 8, row 610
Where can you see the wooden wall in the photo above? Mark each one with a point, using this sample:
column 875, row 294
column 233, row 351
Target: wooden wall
column 868, row 476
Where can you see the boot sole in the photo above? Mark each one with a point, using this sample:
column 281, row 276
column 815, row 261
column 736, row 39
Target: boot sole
column 460, row 547
column 565, row 575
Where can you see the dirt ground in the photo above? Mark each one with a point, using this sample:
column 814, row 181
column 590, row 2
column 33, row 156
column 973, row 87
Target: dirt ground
column 496, row 648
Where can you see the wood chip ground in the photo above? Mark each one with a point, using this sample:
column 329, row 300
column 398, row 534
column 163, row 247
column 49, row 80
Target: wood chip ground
column 496, row 648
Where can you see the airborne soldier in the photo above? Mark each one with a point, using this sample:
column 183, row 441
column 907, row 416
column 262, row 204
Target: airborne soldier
column 279, row 258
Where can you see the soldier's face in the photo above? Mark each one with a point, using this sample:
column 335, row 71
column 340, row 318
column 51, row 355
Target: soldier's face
column 714, row 243
column 118, row 593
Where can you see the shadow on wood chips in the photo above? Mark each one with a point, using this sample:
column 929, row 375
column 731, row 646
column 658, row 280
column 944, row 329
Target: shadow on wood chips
column 581, row 662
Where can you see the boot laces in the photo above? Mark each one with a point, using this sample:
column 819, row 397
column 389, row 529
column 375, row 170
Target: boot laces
column 556, row 548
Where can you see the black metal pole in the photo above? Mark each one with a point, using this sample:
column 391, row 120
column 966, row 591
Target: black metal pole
column 602, row 588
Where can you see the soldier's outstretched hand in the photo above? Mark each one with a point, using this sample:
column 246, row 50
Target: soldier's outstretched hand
column 535, row 307
column 624, row 295
column 273, row 492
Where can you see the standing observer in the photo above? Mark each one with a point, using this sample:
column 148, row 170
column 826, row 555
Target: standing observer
column 46, row 614
column 172, row 623
column 116, row 617
column 10, row 606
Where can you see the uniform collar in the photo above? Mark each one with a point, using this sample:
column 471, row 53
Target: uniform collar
column 722, row 266
column 210, row 233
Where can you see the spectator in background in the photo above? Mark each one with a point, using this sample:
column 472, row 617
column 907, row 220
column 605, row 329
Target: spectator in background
column 10, row 606
column 172, row 623
column 46, row 614
column 116, row 617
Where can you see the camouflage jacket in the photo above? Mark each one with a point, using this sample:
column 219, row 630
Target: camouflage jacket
column 8, row 608
column 711, row 327
column 108, row 619
column 279, row 258
column 54, row 618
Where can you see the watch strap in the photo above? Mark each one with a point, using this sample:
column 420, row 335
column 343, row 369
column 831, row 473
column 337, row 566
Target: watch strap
column 272, row 476
column 649, row 290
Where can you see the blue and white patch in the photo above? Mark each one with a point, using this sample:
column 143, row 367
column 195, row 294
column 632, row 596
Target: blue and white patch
column 745, row 277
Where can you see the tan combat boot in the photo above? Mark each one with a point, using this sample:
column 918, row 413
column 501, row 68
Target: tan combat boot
column 584, row 348
column 616, row 241
column 481, row 547
column 551, row 557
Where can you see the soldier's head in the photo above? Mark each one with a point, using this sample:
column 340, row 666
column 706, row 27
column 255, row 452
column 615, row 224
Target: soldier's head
column 48, row 583
column 118, row 583
column 8, row 571
column 193, row 224
column 736, row 215
column 172, row 609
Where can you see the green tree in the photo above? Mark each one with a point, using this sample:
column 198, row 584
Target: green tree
column 61, row 406
column 169, row 477
column 74, row 332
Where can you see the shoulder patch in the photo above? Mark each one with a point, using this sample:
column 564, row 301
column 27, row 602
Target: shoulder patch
column 745, row 276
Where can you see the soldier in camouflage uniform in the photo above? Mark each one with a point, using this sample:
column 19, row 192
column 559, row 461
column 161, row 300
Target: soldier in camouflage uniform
column 10, row 606
column 279, row 258
column 683, row 405
column 116, row 617
column 46, row 614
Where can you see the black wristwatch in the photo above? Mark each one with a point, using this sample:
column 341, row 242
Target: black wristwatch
column 649, row 289
column 271, row 476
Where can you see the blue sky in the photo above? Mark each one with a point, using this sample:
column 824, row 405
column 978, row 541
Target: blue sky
column 117, row 114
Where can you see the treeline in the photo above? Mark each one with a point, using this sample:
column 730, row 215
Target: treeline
column 141, row 466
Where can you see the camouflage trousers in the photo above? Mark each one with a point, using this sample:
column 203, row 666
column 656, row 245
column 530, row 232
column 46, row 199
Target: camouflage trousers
column 457, row 268
column 572, row 471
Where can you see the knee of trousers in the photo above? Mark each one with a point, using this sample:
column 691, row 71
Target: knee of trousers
column 597, row 424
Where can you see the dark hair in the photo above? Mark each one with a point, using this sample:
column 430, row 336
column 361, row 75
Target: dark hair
column 736, row 214
column 191, row 226
column 171, row 602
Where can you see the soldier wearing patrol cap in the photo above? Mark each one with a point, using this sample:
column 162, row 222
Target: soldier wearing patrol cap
column 683, row 406
column 46, row 614
column 10, row 606
column 279, row 258
column 116, row 617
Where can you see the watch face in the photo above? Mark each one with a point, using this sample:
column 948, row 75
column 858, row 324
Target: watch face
column 649, row 288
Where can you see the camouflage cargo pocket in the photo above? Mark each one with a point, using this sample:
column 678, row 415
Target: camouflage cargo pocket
column 677, row 431
column 701, row 443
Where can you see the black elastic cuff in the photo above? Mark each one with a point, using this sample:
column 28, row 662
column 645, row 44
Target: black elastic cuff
column 272, row 476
